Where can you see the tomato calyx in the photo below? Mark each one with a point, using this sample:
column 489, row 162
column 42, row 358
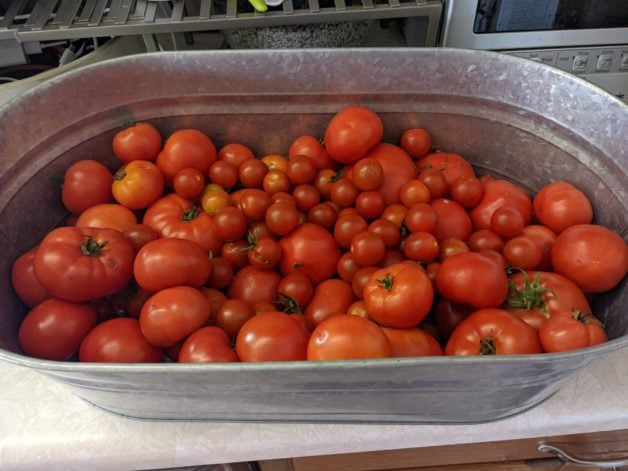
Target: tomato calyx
column 190, row 214
column 288, row 304
column 92, row 248
column 583, row 317
column 120, row 175
column 338, row 175
column 487, row 346
column 386, row 282
column 530, row 296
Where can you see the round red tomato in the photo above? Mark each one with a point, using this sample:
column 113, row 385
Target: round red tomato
column 106, row 215
column 139, row 235
column 560, row 205
column 311, row 250
column 499, row 193
column 493, row 332
column 172, row 314
column 417, row 142
column 345, row 337
column 473, row 279
column 593, row 256
column 138, row 184
column 54, row 329
column 330, row 297
column 565, row 331
column 83, row 264
column 186, row 148
column 412, row 342
column 141, row 141
column 118, row 341
column 453, row 166
column 311, row 147
column 24, row 282
column 86, row 183
column 272, row 336
column 207, row 345
column 168, row 262
column 232, row 314
column 399, row 296
column 452, row 220
column 352, row 132
column 254, row 286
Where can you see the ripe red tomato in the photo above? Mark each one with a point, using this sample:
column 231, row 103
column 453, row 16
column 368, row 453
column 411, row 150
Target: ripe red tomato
column 118, row 340
column 272, row 336
column 398, row 168
column 139, row 235
column 367, row 248
column 498, row 193
column 414, row 192
column 345, row 337
column 593, row 256
column 387, row 230
column 412, row 342
column 493, row 332
column 106, row 215
column 173, row 216
column 472, row 278
column 417, row 142
column 188, row 183
column 523, row 253
column 301, row 169
column 138, row 184
column 422, row 217
column 254, row 286
column 452, row 220
column 507, row 222
column 311, row 147
column 140, row 141
column 311, row 250
column 28, row 288
column 235, row 154
column 331, row 296
column 230, row 223
column 54, row 329
column 281, row 218
column 83, row 264
column 485, row 239
column 207, row 345
column 232, row 314
column 399, row 296
column 544, row 237
column 344, row 192
column 360, row 279
column 85, row 184
column 346, row 227
column 565, row 331
column 224, row 174
column 368, row 174
column 421, row 247
column 265, row 254
column 297, row 288
column 453, row 166
column 560, row 205
column 168, row 262
column 172, row 314
column 306, row 196
column 186, row 148
column 451, row 246
column 352, row 132
column 467, row 191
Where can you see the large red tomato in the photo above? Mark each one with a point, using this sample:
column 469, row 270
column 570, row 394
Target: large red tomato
column 86, row 183
column 168, row 262
column 107, row 215
column 174, row 216
column 254, row 286
column 352, row 132
column 141, row 141
column 312, row 148
column 207, row 345
column 186, row 148
column 118, row 340
column 472, row 278
column 560, row 205
column 452, row 220
column 272, row 336
column 346, row 337
column 497, row 194
column 54, row 329
column 311, row 250
column 593, row 256
column 570, row 331
column 24, row 282
column 84, row 264
column 332, row 296
column 493, row 332
column 412, row 342
column 399, row 296
column 453, row 166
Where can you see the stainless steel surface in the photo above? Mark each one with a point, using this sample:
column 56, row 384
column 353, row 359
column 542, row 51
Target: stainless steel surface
column 507, row 115
column 581, row 462
column 102, row 18
column 459, row 16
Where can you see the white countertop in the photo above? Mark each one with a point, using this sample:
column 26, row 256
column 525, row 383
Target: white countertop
column 44, row 426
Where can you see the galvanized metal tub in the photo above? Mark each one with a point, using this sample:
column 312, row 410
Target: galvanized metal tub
column 516, row 118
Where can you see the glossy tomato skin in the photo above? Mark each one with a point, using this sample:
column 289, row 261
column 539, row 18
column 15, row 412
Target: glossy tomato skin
column 565, row 331
column 107, row 215
column 330, row 297
column 186, row 148
column 453, row 166
column 83, row 264
column 311, row 147
column 272, row 336
column 399, row 296
column 118, row 340
column 138, row 184
column 412, row 342
column 594, row 257
column 345, row 337
column 172, row 314
column 311, row 250
column 207, row 345
column 168, row 262
column 452, row 220
column 86, row 183
column 28, row 288
column 473, row 279
column 351, row 133
column 54, row 329
column 544, row 237
column 139, row 235
column 499, row 193
column 174, row 216
column 254, row 286
column 493, row 332
column 141, row 141
column 560, row 205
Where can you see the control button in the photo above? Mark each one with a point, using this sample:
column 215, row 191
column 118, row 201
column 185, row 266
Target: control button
column 580, row 63
column 604, row 62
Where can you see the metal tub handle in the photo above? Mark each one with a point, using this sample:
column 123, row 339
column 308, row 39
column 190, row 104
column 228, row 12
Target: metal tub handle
column 580, row 462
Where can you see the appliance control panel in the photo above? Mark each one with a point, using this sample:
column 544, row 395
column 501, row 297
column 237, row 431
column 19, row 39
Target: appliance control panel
column 581, row 61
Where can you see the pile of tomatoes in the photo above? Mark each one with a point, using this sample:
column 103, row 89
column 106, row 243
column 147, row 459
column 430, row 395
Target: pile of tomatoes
column 346, row 248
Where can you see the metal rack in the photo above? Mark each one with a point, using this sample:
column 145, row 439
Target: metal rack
column 42, row 20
